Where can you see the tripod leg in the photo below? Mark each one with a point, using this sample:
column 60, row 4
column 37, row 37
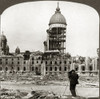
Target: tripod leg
column 65, row 90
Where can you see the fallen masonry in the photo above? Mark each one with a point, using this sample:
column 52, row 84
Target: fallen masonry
column 39, row 94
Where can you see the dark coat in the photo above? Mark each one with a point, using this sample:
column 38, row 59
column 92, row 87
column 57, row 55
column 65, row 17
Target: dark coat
column 73, row 77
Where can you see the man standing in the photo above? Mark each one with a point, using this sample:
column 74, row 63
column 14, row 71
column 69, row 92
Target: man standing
column 73, row 77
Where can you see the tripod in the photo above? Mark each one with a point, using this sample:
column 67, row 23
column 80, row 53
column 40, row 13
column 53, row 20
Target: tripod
column 66, row 88
column 69, row 93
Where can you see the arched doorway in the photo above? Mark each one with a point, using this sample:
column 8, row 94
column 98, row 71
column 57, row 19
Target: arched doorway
column 83, row 68
column 24, row 69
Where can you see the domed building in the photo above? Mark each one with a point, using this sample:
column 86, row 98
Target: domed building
column 3, row 44
column 57, row 18
column 7, row 50
column 17, row 51
column 56, row 36
column 54, row 60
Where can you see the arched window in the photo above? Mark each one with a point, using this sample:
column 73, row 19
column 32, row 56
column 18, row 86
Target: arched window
column 46, row 68
column 24, row 62
column 60, row 62
column 65, row 68
column 83, row 68
column 50, row 68
column 46, row 62
column 51, row 62
column 18, row 69
column 32, row 58
column 24, row 69
column 0, row 68
column 32, row 68
column 90, row 68
column 39, row 58
column 59, row 68
column 12, row 68
column 6, row 69
column 36, row 68
column 55, row 68
column 76, row 67
column 55, row 62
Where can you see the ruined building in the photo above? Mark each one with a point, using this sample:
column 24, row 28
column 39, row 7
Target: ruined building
column 56, row 34
column 53, row 60
column 4, row 48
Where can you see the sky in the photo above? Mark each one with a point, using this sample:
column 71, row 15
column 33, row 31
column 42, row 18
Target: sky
column 25, row 26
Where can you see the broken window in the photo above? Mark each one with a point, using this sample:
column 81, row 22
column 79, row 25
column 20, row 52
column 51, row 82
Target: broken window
column 46, row 68
column 65, row 68
column 18, row 69
column 50, row 68
column 6, row 69
column 59, row 68
column 0, row 68
column 32, row 68
column 55, row 68
column 24, row 69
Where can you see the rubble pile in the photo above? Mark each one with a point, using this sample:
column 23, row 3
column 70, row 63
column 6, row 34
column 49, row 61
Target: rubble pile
column 62, row 77
column 41, row 95
column 90, row 82
column 89, row 79
column 12, row 94
column 17, row 94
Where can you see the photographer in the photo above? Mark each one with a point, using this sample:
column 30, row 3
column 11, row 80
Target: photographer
column 73, row 78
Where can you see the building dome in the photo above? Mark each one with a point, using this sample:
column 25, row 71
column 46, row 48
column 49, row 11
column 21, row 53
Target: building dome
column 7, row 47
column 17, row 51
column 3, row 38
column 57, row 18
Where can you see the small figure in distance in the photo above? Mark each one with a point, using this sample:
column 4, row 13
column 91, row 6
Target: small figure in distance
column 73, row 78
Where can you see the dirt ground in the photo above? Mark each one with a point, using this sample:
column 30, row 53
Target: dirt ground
column 88, row 85
column 83, row 89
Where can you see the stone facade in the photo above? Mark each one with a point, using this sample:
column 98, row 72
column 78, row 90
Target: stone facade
column 53, row 60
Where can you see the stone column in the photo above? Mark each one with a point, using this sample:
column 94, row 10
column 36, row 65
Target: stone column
column 79, row 66
column 93, row 63
column 28, row 66
column 62, row 68
column 87, row 62
column 43, row 71
column 71, row 66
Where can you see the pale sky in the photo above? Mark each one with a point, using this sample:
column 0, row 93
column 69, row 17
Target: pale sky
column 25, row 26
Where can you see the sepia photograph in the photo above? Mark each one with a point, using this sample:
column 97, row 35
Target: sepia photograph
column 49, row 49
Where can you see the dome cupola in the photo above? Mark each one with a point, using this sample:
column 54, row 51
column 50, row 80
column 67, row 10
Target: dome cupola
column 3, row 37
column 17, row 51
column 57, row 18
column 7, row 47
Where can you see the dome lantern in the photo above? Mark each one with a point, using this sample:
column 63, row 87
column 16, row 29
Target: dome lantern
column 3, row 37
column 57, row 17
column 17, row 51
column 57, row 9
